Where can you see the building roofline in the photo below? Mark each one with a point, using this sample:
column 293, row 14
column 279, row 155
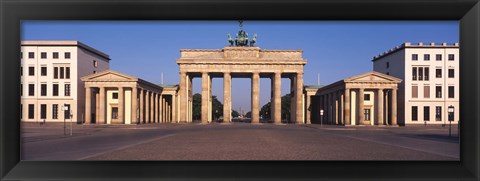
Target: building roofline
column 65, row 43
column 410, row 45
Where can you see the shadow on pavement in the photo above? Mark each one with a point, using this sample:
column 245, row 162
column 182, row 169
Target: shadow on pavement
column 435, row 137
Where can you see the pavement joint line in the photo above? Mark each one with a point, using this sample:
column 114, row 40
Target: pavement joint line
column 381, row 142
column 125, row 147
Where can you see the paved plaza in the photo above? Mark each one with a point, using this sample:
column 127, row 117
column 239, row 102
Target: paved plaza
column 237, row 141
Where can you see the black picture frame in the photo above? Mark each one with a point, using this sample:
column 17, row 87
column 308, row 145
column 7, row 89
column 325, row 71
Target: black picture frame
column 13, row 12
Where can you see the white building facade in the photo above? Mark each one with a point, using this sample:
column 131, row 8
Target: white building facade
column 430, row 74
column 50, row 79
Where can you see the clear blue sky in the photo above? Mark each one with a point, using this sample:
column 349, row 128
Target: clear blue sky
column 335, row 49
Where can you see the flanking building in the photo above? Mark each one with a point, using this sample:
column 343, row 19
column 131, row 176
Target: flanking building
column 366, row 99
column 430, row 74
column 50, row 79
column 116, row 98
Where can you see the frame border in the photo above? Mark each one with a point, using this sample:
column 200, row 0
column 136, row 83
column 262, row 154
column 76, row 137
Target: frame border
column 13, row 12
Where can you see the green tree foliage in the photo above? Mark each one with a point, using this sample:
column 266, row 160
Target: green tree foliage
column 266, row 109
column 217, row 107
column 235, row 114
column 249, row 114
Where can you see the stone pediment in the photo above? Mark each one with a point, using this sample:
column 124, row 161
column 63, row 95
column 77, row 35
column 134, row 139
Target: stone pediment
column 373, row 77
column 109, row 75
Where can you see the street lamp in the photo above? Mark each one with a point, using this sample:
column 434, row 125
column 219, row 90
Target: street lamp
column 321, row 117
column 451, row 111
column 65, row 108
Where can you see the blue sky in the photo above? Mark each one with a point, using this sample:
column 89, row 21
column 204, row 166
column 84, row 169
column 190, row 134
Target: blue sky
column 145, row 49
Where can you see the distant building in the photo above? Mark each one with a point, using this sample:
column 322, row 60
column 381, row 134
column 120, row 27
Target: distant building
column 430, row 74
column 50, row 78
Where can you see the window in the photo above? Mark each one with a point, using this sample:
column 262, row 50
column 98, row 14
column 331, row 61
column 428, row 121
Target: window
column 31, row 55
column 94, row 72
column 66, row 114
column 414, row 91
column 426, row 57
column 95, row 64
column 414, row 56
column 67, row 72
column 43, row 111
column 43, row 71
column 414, row 113
column 55, row 90
column 67, row 55
column 451, row 57
column 31, row 71
column 21, row 70
column 451, row 73
column 43, row 55
column 62, row 72
column 451, row 92
column 367, row 114
column 55, row 72
column 55, row 55
column 438, row 113
column 426, row 113
column 438, row 73
column 114, row 112
column 67, row 89
column 55, row 111
column 115, row 95
column 31, row 111
column 438, row 91
column 366, row 97
column 427, row 73
column 420, row 73
column 388, row 64
column 414, row 73
column 43, row 90
column 31, row 89
column 21, row 89
column 21, row 55
column 21, row 111
column 426, row 91
column 438, row 57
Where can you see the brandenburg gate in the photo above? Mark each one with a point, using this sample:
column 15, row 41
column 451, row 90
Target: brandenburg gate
column 244, row 61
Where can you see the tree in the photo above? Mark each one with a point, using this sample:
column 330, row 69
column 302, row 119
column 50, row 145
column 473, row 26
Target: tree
column 217, row 107
column 235, row 114
column 266, row 109
column 249, row 114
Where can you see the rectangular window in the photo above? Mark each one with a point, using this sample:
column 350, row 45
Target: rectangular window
column 451, row 73
column 451, row 57
column 426, row 57
column 55, row 72
column 21, row 55
column 438, row 57
column 55, row 55
column 451, row 92
column 31, row 89
column 414, row 113
column 414, row 56
column 438, row 91
column 31, row 111
column 420, row 73
column 66, row 114
column 31, row 71
column 427, row 73
column 43, row 71
column 366, row 97
column 438, row 73
column 438, row 113
column 21, row 89
column 62, row 72
column 31, row 55
column 414, row 73
column 67, row 55
column 21, row 111
column 388, row 64
column 55, row 111
column 67, row 89
column 426, row 113
column 414, row 91
column 95, row 64
column 115, row 95
column 55, row 90
column 67, row 72
column 114, row 112
column 43, row 111
column 43, row 90
column 426, row 91
column 367, row 114
column 21, row 70
column 43, row 55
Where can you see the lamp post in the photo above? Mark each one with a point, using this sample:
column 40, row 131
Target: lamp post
column 321, row 117
column 451, row 111
column 65, row 108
